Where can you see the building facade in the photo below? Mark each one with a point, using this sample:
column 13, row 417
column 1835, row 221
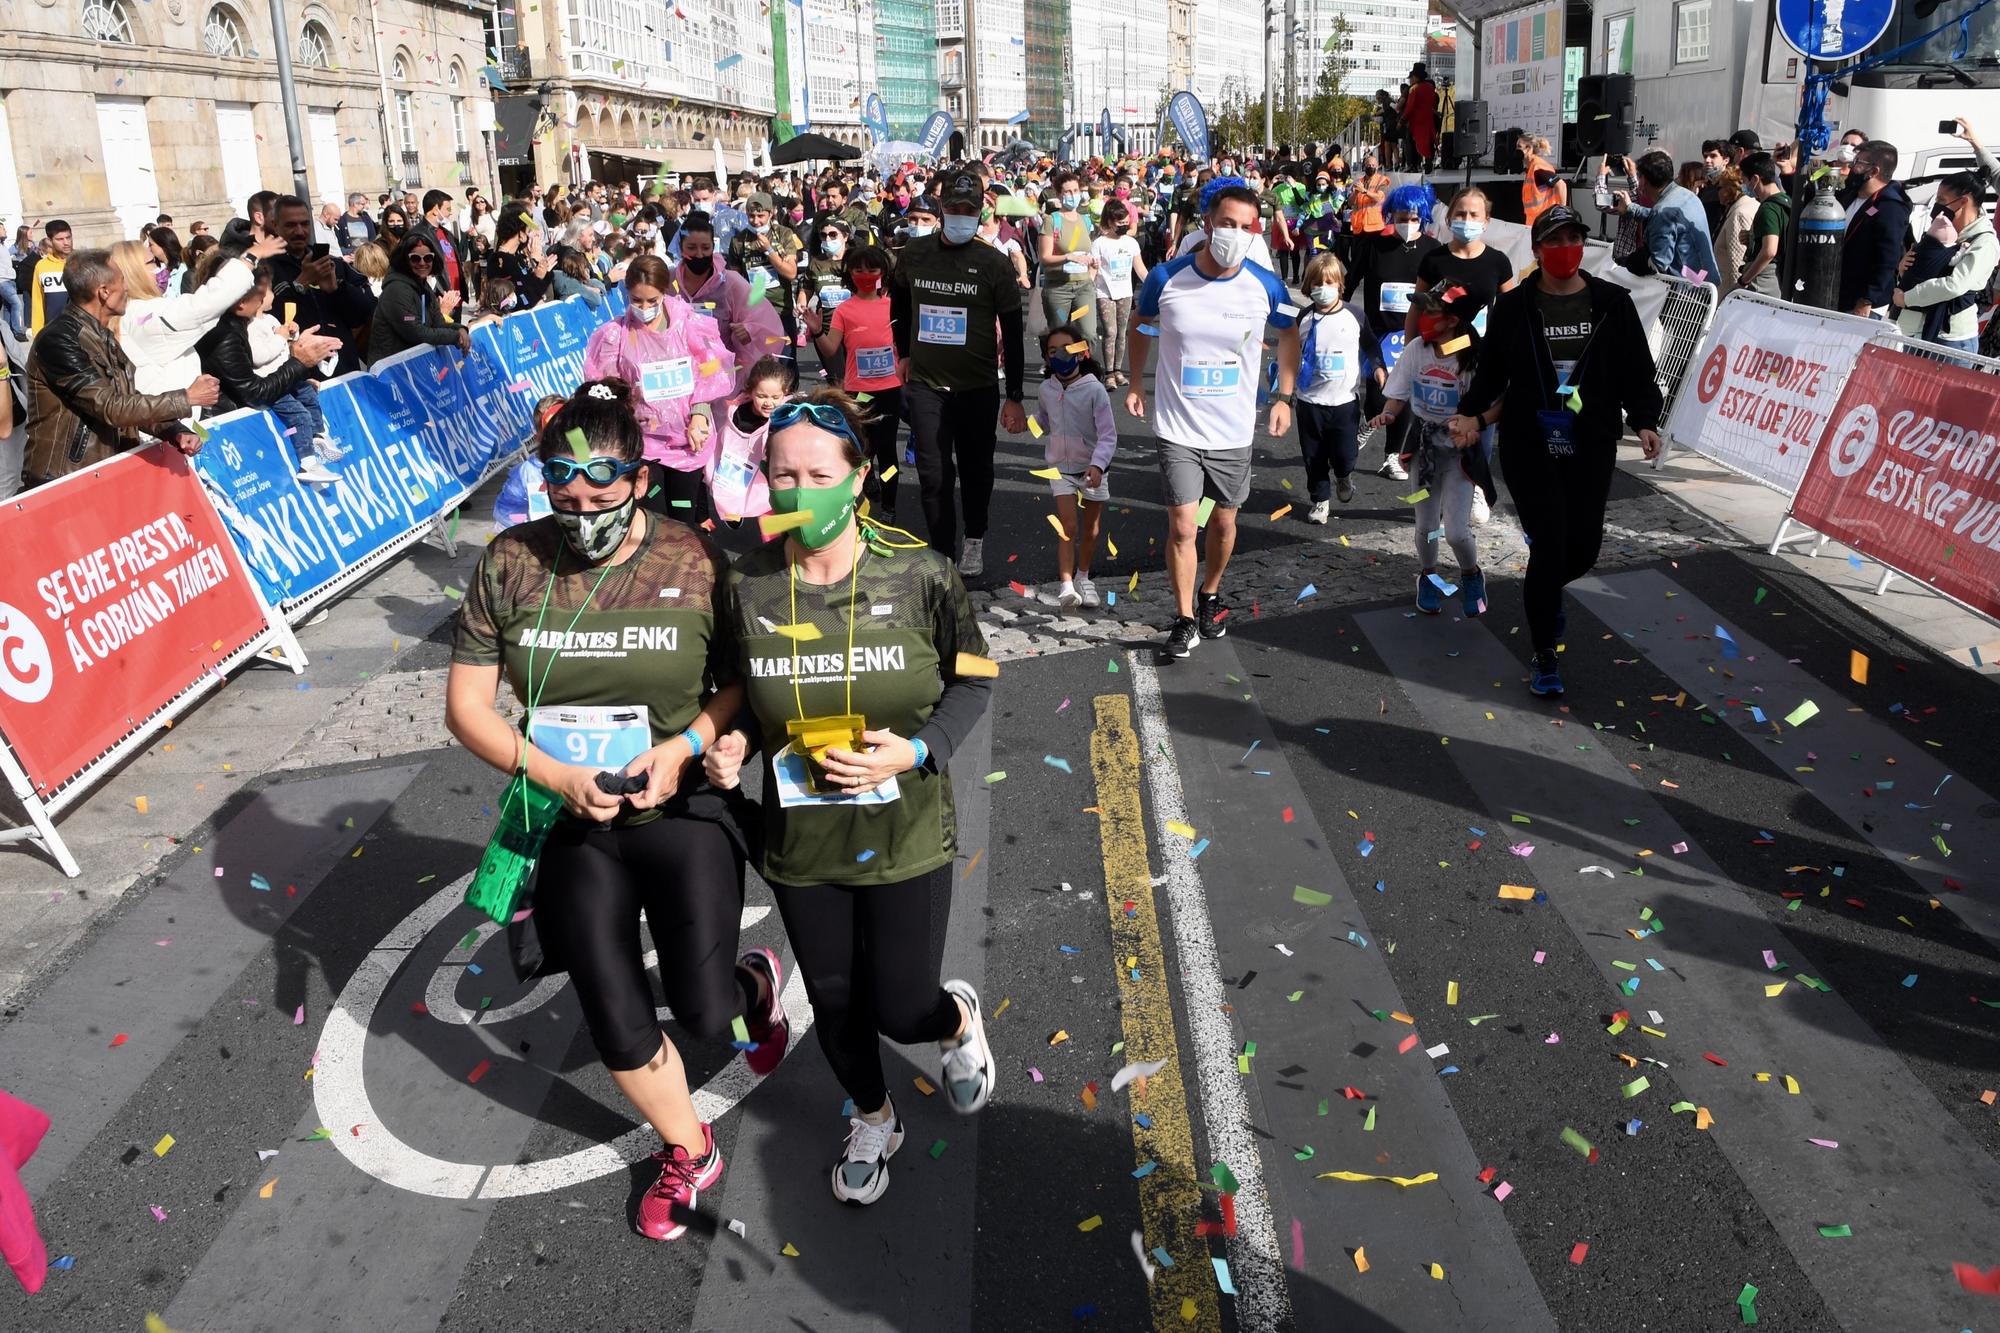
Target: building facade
column 906, row 63
column 1121, row 59
column 116, row 111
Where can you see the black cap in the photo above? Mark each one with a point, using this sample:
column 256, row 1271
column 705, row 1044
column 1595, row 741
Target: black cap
column 962, row 187
column 923, row 203
column 1747, row 139
column 1553, row 220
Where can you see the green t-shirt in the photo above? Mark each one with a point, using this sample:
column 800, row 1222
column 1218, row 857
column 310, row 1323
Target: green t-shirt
column 745, row 257
column 956, row 295
column 649, row 635
column 911, row 618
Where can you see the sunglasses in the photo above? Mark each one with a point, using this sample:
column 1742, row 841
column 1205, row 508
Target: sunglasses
column 819, row 414
column 422, row 258
column 561, row 470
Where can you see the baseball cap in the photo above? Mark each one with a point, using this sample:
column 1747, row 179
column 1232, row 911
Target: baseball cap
column 1555, row 219
column 1747, row 139
column 962, row 187
column 923, row 204
column 759, row 200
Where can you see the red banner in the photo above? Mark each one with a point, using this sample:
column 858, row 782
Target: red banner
column 120, row 590
column 1908, row 473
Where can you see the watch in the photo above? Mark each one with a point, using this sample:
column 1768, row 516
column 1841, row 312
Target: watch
column 1284, row 398
column 1015, row 398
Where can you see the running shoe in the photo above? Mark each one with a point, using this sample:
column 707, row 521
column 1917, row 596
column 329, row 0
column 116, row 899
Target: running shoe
column 330, row 452
column 1322, row 510
column 1067, row 597
column 1344, row 488
column 1182, row 638
column 970, row 1070
column 663, row 1213
column 1392, row 468
column 316, row 473
column 862, row 1173
column 1430, row 598
column 1481, row 511
column 1547, row 681
column 1211, row 615
column 1472, row 594
column 769, row 1028
column 1088, row 591
column 972, row 560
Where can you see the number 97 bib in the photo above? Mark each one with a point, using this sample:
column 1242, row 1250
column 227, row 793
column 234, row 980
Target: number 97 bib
column 597, row 736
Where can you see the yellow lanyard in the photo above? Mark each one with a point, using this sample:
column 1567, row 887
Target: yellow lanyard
column 853, row 580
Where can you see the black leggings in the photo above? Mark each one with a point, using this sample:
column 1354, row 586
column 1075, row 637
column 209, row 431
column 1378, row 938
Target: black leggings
column 954, row 431
column 870, row 955
column 1561, row 505
column 885, row 407
column 687, row 876
column 666, row 485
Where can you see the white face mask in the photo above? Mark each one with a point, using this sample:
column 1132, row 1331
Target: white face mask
column 1325, row 295
column 1228, row 246
column 1409, row 231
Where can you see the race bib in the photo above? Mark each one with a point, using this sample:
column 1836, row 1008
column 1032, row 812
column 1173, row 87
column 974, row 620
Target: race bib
column 663, row 381
column 1211, row 377
column 941, row 325
column 875, row 363
column 538, row 500
column 1330, row 365
column 1120, row 265
column 1396, row 296
column 1438, row 396
column 790, row 768
column 1071, row 266
column 600, row 736
column 831, row 298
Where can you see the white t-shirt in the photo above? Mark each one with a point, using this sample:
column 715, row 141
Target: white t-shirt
column 1429, row 383
column 1336, row 350
column 1260, row 249
column 1115, row 256
column 1211, row 353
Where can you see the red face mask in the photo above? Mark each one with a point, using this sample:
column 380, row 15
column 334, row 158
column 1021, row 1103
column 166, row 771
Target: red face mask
column 1562, row 261
column 1429, row 326
column 866, row 279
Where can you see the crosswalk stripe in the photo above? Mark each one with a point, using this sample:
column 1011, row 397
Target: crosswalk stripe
column 1927, row 1183
column 1674, row 630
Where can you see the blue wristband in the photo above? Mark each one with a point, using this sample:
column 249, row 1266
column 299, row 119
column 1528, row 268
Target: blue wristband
column 923, row 751
column 693, row 738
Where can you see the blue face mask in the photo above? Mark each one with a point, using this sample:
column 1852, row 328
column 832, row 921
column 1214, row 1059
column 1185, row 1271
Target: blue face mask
column 959, row 229
column 1466, row 229
column 1063, row 363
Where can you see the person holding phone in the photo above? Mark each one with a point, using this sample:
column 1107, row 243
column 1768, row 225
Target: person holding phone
column 323, row 291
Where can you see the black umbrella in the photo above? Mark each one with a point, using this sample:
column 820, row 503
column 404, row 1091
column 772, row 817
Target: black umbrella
column 811, row 148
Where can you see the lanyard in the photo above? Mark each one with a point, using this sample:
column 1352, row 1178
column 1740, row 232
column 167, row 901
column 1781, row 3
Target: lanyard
column 536, row 690
column 853, row 579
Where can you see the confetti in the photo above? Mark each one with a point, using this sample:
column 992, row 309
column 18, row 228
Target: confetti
column 1403, row 1182
column 164, row 1146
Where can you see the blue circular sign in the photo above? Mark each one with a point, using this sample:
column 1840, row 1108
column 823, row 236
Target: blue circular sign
column 1833, row 29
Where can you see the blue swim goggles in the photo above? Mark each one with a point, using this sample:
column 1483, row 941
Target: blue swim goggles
column 564, row 469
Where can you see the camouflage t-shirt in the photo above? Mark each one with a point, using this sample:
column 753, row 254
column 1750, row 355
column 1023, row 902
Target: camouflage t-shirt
column 910, row 620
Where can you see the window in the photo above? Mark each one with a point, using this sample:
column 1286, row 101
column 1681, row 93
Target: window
column 406, row 124
column 107, row 21
column 458, row 126
column 455, row 76
column 399, row 68
column 222, row 33
column 315, row 47
column 1691, row 42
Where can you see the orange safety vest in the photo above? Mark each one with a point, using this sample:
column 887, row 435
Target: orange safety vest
column 1368, row 197
column 1536, row 199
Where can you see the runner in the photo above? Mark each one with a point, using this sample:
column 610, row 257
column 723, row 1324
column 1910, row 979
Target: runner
column 1079, row 436
column 1567, row 364
column 1468, row 263
column 1337, row 355
column 1385, row 273
column 680, row 368
column 1208, row 311
column 1118, row 262
column 1068, row 265
column 859, row 834
column 671, row 850
column 950, row 295
column 749, row 326
column 859, row 329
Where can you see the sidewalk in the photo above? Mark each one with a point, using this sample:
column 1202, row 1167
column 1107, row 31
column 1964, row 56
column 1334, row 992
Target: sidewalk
column 1753, row 512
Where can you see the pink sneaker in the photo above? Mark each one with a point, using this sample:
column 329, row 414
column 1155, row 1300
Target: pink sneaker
column 770, row 1030
column 663, row 1211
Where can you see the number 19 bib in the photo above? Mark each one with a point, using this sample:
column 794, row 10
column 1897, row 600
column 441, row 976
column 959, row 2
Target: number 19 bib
column 1211, row 377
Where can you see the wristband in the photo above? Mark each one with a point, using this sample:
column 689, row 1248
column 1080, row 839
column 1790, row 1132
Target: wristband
column 923, row 751
column 693, row 738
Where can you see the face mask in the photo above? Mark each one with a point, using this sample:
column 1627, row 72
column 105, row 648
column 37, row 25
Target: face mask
column 831, row 248
column 1228, row 246
column 1467, row 230
column 1409, row 231
column 830, row 507
column 902, row 201
column 1845, row 153
column 1063, row 363
column 1071, row 201
column 1712, row 170
column 921, row 231
column 646, row 314
column 1325, row 295
column 958, row 230
column 1428, row 326
column 699, row 266
column 597, row 534
column 760, row 229
column 1562, row 261
column 865, row 279
column 1121, row 193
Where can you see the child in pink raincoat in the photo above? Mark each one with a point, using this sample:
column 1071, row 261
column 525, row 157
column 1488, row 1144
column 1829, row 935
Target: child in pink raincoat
column 736, row 481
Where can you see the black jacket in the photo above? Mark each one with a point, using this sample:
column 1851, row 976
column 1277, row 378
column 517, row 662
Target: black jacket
column 1873, row 248
column 225, row 354
column 407, row 316
column 1616, row 376
column 338, row 313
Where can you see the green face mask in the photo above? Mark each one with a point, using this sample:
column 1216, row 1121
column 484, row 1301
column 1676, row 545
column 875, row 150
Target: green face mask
column 831, row 508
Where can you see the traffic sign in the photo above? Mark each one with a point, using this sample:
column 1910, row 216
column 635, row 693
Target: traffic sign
column 1833, row 29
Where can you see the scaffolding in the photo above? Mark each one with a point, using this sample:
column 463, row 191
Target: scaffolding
column 1048, row 71
column 906, row 63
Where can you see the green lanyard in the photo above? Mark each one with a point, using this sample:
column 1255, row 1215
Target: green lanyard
column 536, row 689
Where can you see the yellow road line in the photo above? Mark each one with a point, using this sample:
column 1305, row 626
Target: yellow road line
column 1169, row 1198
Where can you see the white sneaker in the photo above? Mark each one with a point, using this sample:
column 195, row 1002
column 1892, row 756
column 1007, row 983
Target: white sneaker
column 862, row 1173
column 1067, row 597
column 330, row 452
column 316, row 473
column 1392, row 468
column 1481, row 511
column 1088, row 591
column 1321, row 511
column 969, row 1069
column 972, row 559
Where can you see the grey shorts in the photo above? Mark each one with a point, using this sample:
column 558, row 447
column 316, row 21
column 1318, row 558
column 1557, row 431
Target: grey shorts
column 1190, row 474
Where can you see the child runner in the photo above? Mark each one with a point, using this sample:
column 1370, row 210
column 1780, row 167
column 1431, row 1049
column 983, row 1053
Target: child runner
column 1429, row 379
column 1336, row 350
column 1118, row 262
column 859, row 326
column 1079, row 435
column 736, row 468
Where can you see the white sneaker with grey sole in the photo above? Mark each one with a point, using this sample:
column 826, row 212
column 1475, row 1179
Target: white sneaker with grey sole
column 970, row 1070
column 862, row 1173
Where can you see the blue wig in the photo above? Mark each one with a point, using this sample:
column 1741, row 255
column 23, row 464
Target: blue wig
column 1416, row 199
column 1217, row 186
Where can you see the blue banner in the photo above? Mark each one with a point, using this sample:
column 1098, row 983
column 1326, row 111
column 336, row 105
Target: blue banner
column 1104, row 127
column 1191, row 123
column 935, row 133
column 251, row 475
column 876, row 118
column 566, row 328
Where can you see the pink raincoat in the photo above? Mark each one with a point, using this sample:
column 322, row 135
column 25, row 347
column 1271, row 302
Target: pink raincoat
column 726, row 297
column 736, row 472
column 673, row 369
column 21, row 1130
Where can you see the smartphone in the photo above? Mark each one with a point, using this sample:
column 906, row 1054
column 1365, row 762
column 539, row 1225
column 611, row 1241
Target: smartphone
column 318, row 251
column 1947, row 127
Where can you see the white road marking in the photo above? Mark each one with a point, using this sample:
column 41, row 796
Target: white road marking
column 340, row 1091
column 1263, row 1301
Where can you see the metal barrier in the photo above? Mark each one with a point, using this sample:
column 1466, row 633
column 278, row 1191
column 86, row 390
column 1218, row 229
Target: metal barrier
column 1683, row 323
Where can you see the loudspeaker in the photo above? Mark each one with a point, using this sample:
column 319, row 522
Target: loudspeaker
column 1507, row 159
column 1604, row 113
column 1469, row 120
